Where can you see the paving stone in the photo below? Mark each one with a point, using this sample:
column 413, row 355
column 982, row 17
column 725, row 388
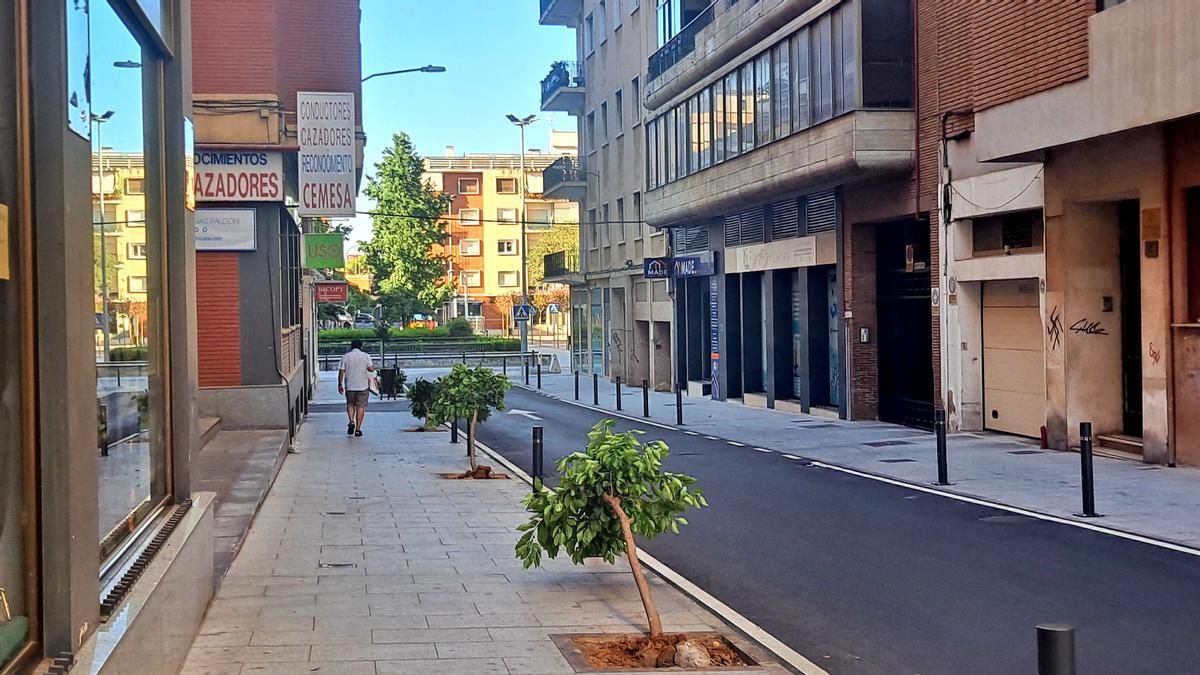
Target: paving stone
column 492, row 666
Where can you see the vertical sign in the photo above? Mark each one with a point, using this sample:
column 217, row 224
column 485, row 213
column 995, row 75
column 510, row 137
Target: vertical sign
column 325, row 128
column 714, row 334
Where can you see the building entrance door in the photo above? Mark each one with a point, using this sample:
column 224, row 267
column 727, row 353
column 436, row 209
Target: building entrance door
column 1129, row 234
column 905, row 331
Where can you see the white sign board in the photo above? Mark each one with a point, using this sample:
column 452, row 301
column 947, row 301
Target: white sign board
column 225, row 230
column 325, row 129
column 239, row 176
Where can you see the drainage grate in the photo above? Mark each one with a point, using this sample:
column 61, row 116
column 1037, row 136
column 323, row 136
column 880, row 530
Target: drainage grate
column 1026, row 452
column 897, row 460
column 336, row 565
column 885, row 444
column 335, row 513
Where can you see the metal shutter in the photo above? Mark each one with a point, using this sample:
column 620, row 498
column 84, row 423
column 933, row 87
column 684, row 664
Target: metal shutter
column 733, row 230
column 822, row 212
column 785, row 219
column 753, row 226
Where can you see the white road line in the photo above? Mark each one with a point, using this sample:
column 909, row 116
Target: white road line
column 769, row 642
column 791, row 456
column 691, row 433
column 736, row 444
column 764, row 450
column 712, row 438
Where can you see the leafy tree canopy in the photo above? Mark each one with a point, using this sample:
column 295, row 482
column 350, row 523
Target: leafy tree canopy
column 560, row 237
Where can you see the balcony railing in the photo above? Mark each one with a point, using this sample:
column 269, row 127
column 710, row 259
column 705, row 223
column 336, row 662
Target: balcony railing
column 560, row 264
column 681, row 45
column 562, row 74
column 562, row 170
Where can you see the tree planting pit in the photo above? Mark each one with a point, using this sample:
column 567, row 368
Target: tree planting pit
column 606, row 652
column 480, row 473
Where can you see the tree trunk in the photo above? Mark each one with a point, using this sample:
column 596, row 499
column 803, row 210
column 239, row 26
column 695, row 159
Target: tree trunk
column 471, row 441
column 635, row 566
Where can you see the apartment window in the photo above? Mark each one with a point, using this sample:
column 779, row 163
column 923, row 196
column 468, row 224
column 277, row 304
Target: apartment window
column 681, row 139
column 506, row 247
column 782, row 96
column 506, row 215
column 506, row 186
column 468, row 186
column 589, row 40
column 845, row 80
column 800, row 50
column 822, row 69
column 135, row 186
column 506, row 278
column 470, row 278
column 621, row 218
column 593, row 235
column 1102, row 5
column 705, row 119
column 718, row 121
column 604, row 122
column 637, row 213
column 693, row 113
column 589, row 132
column 747, row 107
column 633, row 6
column 615, row 10
column 669, row 158
column 651, row 158
column 136, row 252
column 762, row 98
column 468, row 216
column 619, row 109
column 539, row 214
column 135, row 218
column 137, row 285
column 602, row 21
column 469, row 247
column 635, row 90
column 606, row 225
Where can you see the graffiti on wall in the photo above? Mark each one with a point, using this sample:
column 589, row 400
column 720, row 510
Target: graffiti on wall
column 1054, row 329
column 1155, row 354
column 1087, row 327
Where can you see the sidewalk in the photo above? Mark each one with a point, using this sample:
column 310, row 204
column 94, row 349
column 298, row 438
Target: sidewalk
column 362, row 560
column 1144, row 499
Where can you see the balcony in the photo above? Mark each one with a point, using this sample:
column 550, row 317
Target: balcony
column 562, row 267
column 565, row 178
column 563, row 89
column 681, row 45
column 561, row 12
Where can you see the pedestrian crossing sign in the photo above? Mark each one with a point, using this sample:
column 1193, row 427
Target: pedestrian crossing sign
column 552, row 308
column 522, row 312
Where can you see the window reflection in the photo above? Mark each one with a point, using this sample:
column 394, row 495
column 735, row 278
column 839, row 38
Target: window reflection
column 127, row 268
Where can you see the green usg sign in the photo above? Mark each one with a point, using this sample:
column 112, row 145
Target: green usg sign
column 324, row 251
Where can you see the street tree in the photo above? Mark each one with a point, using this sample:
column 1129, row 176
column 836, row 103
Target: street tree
column 407, row 228
column 422, row 394
column 614, row 489
column 560, row 237
column 471, row 394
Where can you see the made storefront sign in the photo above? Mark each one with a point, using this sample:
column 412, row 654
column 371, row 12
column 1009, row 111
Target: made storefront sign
column 325, row 130
column 331, row 291
column 324, row 251
column 239, row 176
column 683, row 266
column 225, row 230
column 656, row 268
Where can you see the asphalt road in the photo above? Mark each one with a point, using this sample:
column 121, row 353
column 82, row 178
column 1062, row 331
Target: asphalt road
column 865, row 577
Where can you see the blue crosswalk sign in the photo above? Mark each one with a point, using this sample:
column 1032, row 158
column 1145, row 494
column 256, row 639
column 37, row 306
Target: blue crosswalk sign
column 552, row 308
column 522, row 312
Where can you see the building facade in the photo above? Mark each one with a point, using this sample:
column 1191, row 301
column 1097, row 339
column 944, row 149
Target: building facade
column 96, row 251
column 483, row 222
column 621, row 320
column 254, row 299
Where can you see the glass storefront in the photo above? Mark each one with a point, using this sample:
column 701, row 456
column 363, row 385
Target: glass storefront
column 128, row 259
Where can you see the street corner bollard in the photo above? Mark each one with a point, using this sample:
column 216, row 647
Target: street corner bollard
column 538, row 445
column 618, row 393
column 1085, row 471
column 596, row 389
column 539, row 373
column 678, row 405
column 504, row 361
column 645, row 398
column 454, row 431
column 1055, row 649
column 576, row 385
column 939, row 428
column 525, row 360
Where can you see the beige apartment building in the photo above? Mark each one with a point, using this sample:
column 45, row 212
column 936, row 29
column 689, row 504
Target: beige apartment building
column 484, row 224
column 622, row 321
column 119, row 215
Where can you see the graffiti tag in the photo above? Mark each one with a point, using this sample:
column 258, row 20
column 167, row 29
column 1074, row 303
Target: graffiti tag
column 1055, row 329
column 1086, row 327
column 1155, row 354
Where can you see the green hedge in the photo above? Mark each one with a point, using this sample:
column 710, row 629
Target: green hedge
column 393, row 334
column 129, row 354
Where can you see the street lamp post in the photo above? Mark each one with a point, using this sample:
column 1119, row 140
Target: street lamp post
column 522, row 123
column 104, row 327
column 422, row 69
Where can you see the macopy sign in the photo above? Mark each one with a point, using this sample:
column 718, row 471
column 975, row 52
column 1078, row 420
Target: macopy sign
column 325, row 130
column 324, row 251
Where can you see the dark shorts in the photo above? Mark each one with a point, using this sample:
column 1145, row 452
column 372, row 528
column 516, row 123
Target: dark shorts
column 358, row 398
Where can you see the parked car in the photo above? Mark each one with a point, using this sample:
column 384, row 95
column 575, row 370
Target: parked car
column 364, row 321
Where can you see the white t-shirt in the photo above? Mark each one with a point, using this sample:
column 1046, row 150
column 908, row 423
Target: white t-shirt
column 356, row 365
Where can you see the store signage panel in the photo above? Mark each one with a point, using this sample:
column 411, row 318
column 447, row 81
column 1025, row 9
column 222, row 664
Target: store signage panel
column 325, row 130
column 239, row 176
column 331, row 291
column 656, row 268
column 324, row 251
column 697, row 265
column 225, row 230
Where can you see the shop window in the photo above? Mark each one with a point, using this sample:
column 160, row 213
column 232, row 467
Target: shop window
column 131, row 439
column 1008, row 234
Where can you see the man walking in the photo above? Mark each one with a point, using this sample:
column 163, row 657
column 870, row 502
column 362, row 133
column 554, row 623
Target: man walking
column 354, row 380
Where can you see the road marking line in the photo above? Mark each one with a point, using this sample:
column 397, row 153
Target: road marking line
column 979, row 501
column 736, row 444
column 759, row 635
column 764, row 450
column 712, row 438
column 792, row 457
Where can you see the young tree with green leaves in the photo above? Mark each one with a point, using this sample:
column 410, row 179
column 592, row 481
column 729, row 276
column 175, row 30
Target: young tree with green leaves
column 560, row 237
column 422, row 394
column 471, row 394
column 407, row 224
column 614, row 489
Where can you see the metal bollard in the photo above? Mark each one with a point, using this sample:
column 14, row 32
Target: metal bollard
column 504, row 359
column 538, row 480
column 595, row 389
column 525, row 359
column 939, row 428
column 539, row 373
column 454, row 431
column 1085, row 470
column 678, row 405
column 576, row 385
column 464, row 358
column 618, row 393
column 1056, row 649
column 645, row 398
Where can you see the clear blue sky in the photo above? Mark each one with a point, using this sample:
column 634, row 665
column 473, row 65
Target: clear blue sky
column 495, row 54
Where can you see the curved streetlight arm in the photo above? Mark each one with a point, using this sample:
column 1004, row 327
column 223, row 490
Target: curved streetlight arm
column 422, row 69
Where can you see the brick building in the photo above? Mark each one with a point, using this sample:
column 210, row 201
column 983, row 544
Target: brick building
column 254, row 307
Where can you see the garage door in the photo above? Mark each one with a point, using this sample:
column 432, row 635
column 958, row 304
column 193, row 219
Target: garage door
column 1014, row 373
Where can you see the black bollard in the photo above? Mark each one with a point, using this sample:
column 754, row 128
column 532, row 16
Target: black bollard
column 539, row 373
column 645, row 398
column 525, row 359
column 678, row 405
column 939, row 428
column 504, row 359
column 618, row 393
column 595, row 389
column 454, row 431
column 538, row 480
column 576, row 385
column 1056, row 649
column 1085, row 470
